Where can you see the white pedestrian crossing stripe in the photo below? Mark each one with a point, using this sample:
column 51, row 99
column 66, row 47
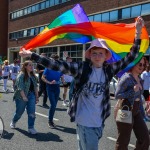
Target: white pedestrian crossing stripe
column 45, row 116
column 113, row 139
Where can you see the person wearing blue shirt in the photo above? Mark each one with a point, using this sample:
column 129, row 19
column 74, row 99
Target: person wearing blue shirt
column 52, row 79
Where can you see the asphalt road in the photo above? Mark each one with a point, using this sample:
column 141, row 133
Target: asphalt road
column 61, row 138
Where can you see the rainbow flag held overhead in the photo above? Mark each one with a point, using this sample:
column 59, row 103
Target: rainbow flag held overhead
column 72, row 16
column 71, row 25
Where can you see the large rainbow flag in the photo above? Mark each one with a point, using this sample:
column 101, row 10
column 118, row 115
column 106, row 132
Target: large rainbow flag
column 72, row 16
column 71, row 25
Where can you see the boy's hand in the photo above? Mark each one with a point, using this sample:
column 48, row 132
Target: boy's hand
column 25, row 53
column 139, row 24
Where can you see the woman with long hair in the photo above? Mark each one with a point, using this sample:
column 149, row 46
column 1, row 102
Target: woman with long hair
column 26, row 95
column 128, row 93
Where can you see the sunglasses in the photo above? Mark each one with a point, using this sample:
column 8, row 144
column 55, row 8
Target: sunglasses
column 141, row 65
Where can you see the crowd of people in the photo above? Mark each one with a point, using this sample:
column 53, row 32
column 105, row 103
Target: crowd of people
column 88, row 84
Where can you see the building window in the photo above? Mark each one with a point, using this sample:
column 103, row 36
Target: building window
column 37, row 7
column 33, row 8
column 98, row 17
column 41, row 28
column 15, row 15
column 47, row 4
column 21, row 13
column 49, row 50
column 42, row 5
column 18, row 14
column 74, row 51
column 105, row 17
column 114, row 15
column 52, row 3
column 136, row 11
column 36, row 31
column 56, row 2
column 11, row 16
column 28, row 32
column 24, row 33
column 32, row 32
column 145, row 9
column 91, row 18
column 63, row 1
column 126, row 13
column 25, row 11
column 29, row 10
column 20, row 34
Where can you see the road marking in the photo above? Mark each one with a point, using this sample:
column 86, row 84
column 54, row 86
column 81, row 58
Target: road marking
column 113, row 139
column 45, row 116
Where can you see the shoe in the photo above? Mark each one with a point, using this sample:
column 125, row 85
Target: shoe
column 12, row 125
column 32, row 131
column 45, row 106
column 147, row 118
column 59, row 99
column 65, row 103
column 4, row 91
column 51, row 125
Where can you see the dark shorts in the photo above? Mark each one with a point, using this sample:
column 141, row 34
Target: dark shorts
column 66, row 85
column 5, row 77
column 146, row 95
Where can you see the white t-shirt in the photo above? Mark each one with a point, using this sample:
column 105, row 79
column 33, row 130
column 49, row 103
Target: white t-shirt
column 14, row 69
column 89, row 107
column 146, row 77
column 68, row 78
column 6, row 70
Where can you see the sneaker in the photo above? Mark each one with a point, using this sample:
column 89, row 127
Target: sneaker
column 32, row 131
column 65, row 103
column 51, row 125
column 147, row 118
column 45, row 106
column 12, row 125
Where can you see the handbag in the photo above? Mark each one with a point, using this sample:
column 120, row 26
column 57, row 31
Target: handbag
column 147, row 108
column 124, row 116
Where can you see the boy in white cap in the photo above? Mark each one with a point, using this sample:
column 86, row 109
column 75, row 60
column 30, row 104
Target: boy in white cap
column 90, row 104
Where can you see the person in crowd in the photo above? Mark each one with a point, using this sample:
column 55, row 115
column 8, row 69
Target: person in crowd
column 146, row 81
column 92, row 80
column 42, row 84
column 55, row 57
column 52, row 79
column 14, row 70
column 26, row 96
column 0, row 71
column 128, row 92
column 146, row 85
column 5, row 74
column 67, row 81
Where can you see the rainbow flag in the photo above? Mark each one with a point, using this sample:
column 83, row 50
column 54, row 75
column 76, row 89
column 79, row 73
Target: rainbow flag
column 119, row 37
column 72, row 16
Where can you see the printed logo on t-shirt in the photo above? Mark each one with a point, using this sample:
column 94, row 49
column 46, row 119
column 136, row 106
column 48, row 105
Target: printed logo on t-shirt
column 95, row 89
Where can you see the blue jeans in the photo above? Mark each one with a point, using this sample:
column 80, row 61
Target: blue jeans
column 88, row 137
column 53, row 95
column 71, row 90
column 30, row 106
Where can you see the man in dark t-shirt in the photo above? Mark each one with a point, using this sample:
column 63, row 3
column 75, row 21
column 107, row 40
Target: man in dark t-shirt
column 42, row 84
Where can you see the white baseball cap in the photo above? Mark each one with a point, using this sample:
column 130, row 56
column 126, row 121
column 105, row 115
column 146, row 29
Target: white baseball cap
column 98, row 43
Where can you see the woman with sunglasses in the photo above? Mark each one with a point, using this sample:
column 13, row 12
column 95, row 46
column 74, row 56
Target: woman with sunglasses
column 26, row 96
column 128, row 92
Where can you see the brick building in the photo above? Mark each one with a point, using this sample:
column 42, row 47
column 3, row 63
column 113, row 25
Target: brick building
column 3, row 28
column 27, row 18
